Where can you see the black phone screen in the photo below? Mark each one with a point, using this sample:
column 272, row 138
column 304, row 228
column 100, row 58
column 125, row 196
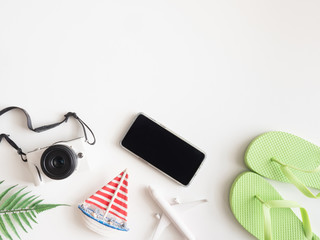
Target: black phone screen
column 163, row 149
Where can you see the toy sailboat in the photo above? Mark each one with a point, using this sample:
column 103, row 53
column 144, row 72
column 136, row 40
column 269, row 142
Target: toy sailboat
column 106, row 210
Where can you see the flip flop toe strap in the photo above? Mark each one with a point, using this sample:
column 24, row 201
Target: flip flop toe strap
column 285, row 169
column 268, row 205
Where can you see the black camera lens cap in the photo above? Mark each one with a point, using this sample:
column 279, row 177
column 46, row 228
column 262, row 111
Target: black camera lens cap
column 58, row 161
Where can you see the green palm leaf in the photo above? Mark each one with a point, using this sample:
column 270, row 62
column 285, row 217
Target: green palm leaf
column 10, row 223
column 6, row 191
column 14, row 203
column 24, row 219
column 33, row 214
column 17, row 219
column 17, row 209
column 24, row 203
column 44, row 207
column 10, row 200
column 28, row 214
column 3, row 229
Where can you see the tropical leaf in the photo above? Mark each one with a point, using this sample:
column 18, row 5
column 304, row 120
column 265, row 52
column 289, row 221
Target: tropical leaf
column 24, row 219
column 44, row 207
column 10, row 223
column 28, row 214
column 17, row 219
column 3, row 229
column 17, row 209
column 24, row 203
column 33, row 214
column 14, row 203
column 10, row 200
column 6, row 191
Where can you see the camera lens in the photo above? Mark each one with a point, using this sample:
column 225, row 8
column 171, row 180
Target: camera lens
column 58, row 161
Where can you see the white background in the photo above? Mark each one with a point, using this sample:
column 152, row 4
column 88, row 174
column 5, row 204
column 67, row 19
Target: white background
column 218, row 73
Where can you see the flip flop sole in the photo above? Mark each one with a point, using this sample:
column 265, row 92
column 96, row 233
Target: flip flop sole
column 287, row 148
column 249, row 212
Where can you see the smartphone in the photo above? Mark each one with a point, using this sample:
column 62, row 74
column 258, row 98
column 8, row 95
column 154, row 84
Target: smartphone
column 163, row 149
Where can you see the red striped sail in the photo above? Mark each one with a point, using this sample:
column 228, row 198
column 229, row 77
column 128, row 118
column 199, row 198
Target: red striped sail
column 106, row 196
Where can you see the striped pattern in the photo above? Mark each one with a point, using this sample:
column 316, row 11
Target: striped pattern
column 102, row 198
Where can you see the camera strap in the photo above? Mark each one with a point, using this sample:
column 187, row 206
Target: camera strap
column 14, row 145
column 84, row 126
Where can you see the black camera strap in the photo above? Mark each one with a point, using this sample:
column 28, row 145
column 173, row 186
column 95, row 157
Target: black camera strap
column 84, row 126
column 14, row 145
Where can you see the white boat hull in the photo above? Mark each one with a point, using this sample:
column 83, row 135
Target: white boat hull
column 100, row 228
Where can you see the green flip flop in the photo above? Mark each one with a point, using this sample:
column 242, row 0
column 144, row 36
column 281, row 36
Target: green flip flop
column 261, row 211
column 287, row 158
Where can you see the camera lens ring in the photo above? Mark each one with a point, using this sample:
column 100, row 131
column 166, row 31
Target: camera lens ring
column 58, row 161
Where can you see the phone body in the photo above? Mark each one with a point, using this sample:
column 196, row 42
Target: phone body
column 162, row 149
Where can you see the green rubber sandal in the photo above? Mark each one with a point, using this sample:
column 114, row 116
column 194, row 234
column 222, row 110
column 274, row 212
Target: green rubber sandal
column 287, row 158
column 261, row 211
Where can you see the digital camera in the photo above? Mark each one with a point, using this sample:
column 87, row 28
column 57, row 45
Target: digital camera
column 58, row 161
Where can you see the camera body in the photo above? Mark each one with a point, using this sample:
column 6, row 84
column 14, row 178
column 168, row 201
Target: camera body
column 57, row 161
